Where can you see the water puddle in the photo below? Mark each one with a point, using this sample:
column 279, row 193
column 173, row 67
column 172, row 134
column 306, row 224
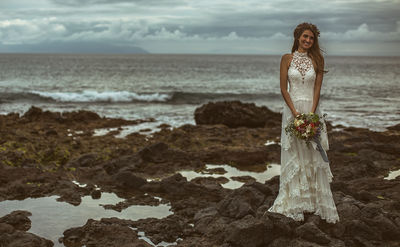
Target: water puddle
column 392, row 175
column 51, row 218
column 270, row 142
column 233, row 174
column 146, row 128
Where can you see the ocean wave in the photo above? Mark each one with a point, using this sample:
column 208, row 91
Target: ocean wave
column 126, row 97
column 94, row 96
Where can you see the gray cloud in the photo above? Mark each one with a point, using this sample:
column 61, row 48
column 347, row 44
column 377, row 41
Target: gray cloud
column 78, row 3
column 153, row 24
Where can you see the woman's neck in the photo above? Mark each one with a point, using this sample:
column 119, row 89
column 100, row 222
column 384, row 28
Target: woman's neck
column 301, row 50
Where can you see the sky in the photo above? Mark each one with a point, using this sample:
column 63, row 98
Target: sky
column 348, row 27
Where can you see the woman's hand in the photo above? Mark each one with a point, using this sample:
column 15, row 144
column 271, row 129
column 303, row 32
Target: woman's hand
column 295, row 114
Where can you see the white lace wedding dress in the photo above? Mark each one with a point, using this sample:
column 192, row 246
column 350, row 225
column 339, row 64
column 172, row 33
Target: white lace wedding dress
column 305, row 177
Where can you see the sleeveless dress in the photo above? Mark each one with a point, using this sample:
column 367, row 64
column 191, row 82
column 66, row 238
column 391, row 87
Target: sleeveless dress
column 305, row 177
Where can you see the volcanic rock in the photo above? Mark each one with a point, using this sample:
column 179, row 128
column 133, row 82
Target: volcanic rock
column 235, row 114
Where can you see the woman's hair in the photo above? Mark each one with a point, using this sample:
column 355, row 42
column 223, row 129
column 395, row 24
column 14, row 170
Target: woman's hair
column 314, row 52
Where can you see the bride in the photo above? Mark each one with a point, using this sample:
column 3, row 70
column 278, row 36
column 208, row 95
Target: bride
column 305, row 176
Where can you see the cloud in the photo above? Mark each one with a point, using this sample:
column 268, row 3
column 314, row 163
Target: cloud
column 78, row 3
column 363, row 33
column 198, row 23
column 19, row 31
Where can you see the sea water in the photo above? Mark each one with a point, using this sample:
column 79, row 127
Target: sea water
column 356, row 91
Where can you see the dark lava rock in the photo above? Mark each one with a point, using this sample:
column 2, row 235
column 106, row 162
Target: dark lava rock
column 85, row 160
column 167, row 229
column 128, row 180
column 241, row 202
column 177, row 186
column 95, row 194
column 36, row 114
column 81, row 116
column 247, row 232
column 395, row 127
column 206, row 212
column 100, row 233
column 152, row 152
column 309, row 231
column 13, row 233
column 235, row 114
column 18, row 220
column 241, row 157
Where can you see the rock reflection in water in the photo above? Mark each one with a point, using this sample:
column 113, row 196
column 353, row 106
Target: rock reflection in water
column 265, row 174
column 51, row 218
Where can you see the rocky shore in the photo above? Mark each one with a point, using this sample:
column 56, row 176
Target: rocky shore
column 42, row 153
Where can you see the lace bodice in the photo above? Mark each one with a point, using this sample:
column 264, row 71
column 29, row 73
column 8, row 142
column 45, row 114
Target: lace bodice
column 301, row 77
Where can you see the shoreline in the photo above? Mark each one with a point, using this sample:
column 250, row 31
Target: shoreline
column 41, row 158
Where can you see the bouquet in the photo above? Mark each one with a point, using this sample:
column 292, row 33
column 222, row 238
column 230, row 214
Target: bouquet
column 308, row 127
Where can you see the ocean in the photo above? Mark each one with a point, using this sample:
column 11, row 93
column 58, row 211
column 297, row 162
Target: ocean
column 356, row 91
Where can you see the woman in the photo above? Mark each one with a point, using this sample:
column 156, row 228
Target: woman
column 305, row 176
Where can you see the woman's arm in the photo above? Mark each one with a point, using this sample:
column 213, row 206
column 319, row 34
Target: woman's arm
column 317, row 88
column 283, row 82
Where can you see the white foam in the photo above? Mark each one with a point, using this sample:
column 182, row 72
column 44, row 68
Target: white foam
column 94, row 96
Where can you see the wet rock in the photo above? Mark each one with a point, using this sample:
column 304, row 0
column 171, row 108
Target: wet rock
column 213, row 228
column 18, row 220
column 36, row 114
column 178, row 186
column 95, row 233
column 85, row 160
column 244, row 179
column 309, row 231
column 6, row 228
column 247, row 232
column 283, row 226
column 113, row 166
column 242, row 157
column 24, row 239
column 395, row 127
column 348, row 210
column 81, row 116
column 161, row 153
column 235, row 114
column 128, row 180
column 241, row 202
column 303, row 243
column 168, row 229
column 279, row 242
column 206, row 212
column 70, row 196
column 95, row 194
column 210, row 182
column 388, row 229
column 357, row 228
column 154, row 152
column 13, row 233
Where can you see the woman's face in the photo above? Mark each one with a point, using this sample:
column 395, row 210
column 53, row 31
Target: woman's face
column 306, row 40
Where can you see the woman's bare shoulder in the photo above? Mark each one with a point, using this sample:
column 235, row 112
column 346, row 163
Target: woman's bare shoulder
column 287, row 58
